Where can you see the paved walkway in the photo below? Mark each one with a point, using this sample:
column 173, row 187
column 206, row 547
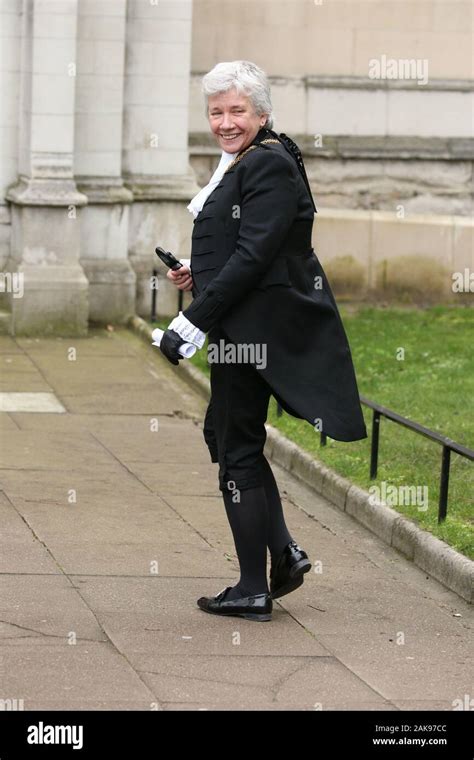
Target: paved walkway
column 111, row 529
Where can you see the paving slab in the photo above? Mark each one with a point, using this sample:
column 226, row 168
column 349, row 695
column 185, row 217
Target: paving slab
column 113, row 525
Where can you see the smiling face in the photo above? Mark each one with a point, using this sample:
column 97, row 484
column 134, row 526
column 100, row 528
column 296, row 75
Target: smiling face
column 233, row 120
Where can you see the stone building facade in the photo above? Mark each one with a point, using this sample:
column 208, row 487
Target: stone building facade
column 104, row 141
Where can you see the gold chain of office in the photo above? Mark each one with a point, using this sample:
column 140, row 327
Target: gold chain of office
column 252, row 147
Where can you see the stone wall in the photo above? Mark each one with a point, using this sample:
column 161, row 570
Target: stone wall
column 104, row 142
column 390, row 160
column 95, row 169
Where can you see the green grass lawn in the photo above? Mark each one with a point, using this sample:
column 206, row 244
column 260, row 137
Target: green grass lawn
column 433, row 385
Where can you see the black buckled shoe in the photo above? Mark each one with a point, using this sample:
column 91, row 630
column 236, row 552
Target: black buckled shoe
column 287, row 575
column 258, row 607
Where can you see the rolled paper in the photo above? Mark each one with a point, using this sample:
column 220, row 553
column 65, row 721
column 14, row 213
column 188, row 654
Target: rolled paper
column 186, row 349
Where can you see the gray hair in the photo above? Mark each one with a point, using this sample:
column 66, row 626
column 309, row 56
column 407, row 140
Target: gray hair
column 247, row 78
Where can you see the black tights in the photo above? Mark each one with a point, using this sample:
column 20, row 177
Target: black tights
column 256, row 521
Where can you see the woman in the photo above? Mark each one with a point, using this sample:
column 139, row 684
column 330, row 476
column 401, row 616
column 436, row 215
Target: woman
column 258, row 285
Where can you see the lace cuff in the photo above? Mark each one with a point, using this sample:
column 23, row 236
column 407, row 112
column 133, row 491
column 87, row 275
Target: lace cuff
column 187, row 331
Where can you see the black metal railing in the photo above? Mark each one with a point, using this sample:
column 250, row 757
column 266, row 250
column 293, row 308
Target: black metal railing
column 447, row 443
column 381, row 411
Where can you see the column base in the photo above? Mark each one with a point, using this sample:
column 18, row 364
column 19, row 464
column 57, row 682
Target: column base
column 112, row 287
column 45, row 243
column 54, row 302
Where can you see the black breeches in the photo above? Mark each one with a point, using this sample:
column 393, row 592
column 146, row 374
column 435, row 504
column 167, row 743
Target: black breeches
column 234, row 426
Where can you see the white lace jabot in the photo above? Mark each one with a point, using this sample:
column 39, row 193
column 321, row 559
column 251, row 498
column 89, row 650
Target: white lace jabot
column 180, row 324
column 200, row 198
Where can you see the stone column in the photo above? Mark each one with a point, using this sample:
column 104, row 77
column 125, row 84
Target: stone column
column 45, row 203
column 98, row 159
column 155, row 143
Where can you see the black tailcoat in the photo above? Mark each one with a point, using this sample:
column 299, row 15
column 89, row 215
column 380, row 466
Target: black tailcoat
column 256, row 275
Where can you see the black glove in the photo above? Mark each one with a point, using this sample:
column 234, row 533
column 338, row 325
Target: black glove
column 169, row 345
